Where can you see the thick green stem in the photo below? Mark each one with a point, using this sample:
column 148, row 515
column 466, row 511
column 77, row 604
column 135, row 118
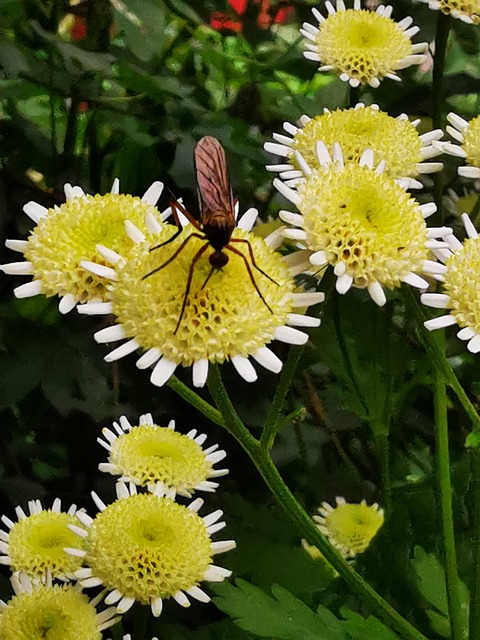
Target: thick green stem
column 287, row 500
column 140, row 621
column 475, row 594
column 445, row 488
column 273, row 421
column 196, row 401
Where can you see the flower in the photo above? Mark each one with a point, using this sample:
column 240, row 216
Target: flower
column 224, row 317
column 349, row 527
column 147, row 548
column 39, row 611
column 394, row 140
column 360, row 221
column 35, row 543
column 459, row 276
column 362, row 46
column 468, row 135
column 148, row 455
column 466, row 10
column 66, row 235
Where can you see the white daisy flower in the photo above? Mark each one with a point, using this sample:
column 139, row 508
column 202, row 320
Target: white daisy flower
column 465, row 10
column 467, row 135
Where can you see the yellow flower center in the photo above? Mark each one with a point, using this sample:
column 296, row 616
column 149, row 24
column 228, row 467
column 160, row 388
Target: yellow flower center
column 361, row 43
column 395, row 141
column 148, row 547
column 151, row 454
column 56, row 613
column 37, row 542
column 461, row 284
column 364, row 220
column 221, row 319
column 353, row 526
column 70, row 234
column 469, row 8
column 471, row 144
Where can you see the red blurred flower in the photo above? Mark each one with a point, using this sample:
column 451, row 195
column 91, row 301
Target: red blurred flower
column 79, row 28
column 221, row 21
column 268, row 15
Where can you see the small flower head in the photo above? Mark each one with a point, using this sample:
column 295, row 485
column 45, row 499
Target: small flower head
column 39, row 611
column 459, row 275
column 229, row 314
column 361, row 222
column 66, row 235
column 149, row 455
column 466, row 10
column 35, row 543
column 394, row 140
column 362, row 46
column 467, row 135
column 147, row 548
column 349, row 527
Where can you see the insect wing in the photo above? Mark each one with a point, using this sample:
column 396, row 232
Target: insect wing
column 215, row 192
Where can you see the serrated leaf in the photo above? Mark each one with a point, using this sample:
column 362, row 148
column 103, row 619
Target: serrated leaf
column 360, row 628
column 281, row 616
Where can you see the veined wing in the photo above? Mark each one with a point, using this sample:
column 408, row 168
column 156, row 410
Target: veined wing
column 215, row 192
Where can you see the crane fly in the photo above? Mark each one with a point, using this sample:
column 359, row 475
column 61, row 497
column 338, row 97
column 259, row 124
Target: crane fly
column 217, row 219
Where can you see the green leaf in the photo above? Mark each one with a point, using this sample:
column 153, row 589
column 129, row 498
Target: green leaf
column 282, row 616
column 359, row 628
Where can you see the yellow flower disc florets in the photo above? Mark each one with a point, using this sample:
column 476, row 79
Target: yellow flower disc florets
column 471, row 144
column 70, row 234
column 148, row 547
column 36, row 544
column 224, row 318
column 468, row 8
column 461, row 284
column 55, row 613
column 366, row 221
column 395, row 141
column 362, row 43
column 151, row 454
column 351, row 527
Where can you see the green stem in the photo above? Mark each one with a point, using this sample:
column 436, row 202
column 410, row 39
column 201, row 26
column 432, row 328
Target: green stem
column 475, row 594
column 475, row 211
column 196, row 401
column 445, row 488
column 287, row 500
column 273, row 421
column 441, row 38
column 383, row 442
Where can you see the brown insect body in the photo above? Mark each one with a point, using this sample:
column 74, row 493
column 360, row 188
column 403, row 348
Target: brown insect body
column 217, row 219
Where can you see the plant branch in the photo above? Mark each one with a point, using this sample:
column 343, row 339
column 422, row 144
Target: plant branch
column 475, row 594
column 196, row 401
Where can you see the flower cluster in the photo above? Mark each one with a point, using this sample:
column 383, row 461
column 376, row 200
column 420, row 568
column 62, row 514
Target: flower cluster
column 143, row 547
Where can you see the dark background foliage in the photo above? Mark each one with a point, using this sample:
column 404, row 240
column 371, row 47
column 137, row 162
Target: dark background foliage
column 92, row 91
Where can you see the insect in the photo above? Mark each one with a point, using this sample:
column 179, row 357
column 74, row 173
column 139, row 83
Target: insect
column 217, row 219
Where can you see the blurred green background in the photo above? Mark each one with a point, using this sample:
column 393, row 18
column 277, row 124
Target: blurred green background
column 96, row 90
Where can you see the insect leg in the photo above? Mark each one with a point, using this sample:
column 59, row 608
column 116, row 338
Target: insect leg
column 244, row 258
column 252, row 258
column 208, row 277
column 189, row 282
column 171, row 239
column 178, row 205
column 180, row 248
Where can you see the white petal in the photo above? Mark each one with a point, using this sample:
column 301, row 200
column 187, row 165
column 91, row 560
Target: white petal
column 35, row 211
column 474, row 344
column 157, row 606
column 405, row 23
column 307, row 299
column 427, row 209
column 319, row 258
column 162, row 372
column 149, row 358
column 429, row 167
column 265, row 357
column 120, row 352
column 467, row 333
column 28, row 289
column 469, row 226
column 152, row 223
column 16, row 245
column 91, row 582
column 99, row 269
column 110, row 334
column 113, row 597
column 459, row 123
column 67, row 303
column 453, row 150
column 248, row 219
column 298, row 320
column 469, row 172
column 110, row 256
column 456, row 135
column 153, row 193
column 278, row 167
column 181, row 599
column 411, row 32
column 125, row 604
column 216, row 574
column 291, row 218
column 222, row 546
column 134, row 232
column 415, row 280
column 244, row 368
column 95, row 309
column 374, row 83
column 322, row 153
column 22, row 268
column 295, row 234
column 198, row 594
column 366, row 159
column 435, row 300
column 200, row 372
column 311, row 55
column 440, row 322
column 377, row 293
column 344, row 283
column 277, row 149
column 290, row 194
column 290, row 335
